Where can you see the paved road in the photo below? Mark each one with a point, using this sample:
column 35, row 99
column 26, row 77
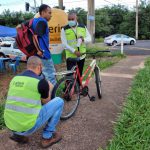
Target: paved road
column 142, row 47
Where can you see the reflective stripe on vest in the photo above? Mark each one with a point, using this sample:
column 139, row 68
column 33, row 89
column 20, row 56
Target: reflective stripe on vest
column 25, row 100
column 22, row 109
column 72, row 41
column 23, row 103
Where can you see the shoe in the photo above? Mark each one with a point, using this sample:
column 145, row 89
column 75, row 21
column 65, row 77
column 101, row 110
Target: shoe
column 56, row 137
column 19, row 138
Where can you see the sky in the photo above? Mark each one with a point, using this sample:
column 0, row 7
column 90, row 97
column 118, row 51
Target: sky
column 17, row 5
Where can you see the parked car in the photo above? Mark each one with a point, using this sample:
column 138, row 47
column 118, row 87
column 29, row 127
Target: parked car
column 116, row 38
column 6, row 40
column 10, row 49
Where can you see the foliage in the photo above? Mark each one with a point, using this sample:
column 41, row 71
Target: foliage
column 118, row 19
column 108, row 20
column 144, row 21
column 105, row 64
column 12, row 19
column 102, row 23
column 133, row 126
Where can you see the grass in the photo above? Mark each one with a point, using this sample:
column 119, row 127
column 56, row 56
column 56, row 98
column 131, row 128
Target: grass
column 99, row 40
column 132, row 130
column 2, row 99
column 104, row 60
column 1, row 116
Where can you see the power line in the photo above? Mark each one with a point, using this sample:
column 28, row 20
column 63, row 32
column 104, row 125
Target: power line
column 109, row 2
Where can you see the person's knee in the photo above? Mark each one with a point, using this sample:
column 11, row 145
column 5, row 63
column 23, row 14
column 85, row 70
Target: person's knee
column 60, row 101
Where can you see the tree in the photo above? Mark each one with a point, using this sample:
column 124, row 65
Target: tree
column 14, row 18
column 102, row 23
column 144, row 20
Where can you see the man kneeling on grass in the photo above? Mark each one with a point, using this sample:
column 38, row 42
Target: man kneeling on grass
column 28, row 106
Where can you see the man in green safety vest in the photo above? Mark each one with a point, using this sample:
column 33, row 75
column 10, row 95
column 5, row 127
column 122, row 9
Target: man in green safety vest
column 74, row 37
column 29, row 106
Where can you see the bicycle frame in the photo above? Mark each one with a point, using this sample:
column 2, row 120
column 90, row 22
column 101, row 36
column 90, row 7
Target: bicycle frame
column 89, row 70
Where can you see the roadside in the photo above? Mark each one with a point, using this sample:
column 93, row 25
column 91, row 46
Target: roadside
column 132, row 129
column 92, row 125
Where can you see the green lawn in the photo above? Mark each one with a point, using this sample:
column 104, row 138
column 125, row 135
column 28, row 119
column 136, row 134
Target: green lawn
column 132, row 130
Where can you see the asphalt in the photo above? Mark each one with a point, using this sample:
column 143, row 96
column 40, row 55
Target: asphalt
column 92, row 125
column 142, row 47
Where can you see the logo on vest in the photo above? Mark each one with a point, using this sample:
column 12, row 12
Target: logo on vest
column 18, row 84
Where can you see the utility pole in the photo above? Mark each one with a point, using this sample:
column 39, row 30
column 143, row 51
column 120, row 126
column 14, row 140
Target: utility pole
column 136, row 24
column 60, row 4
column 35, row 5
column 91, row 19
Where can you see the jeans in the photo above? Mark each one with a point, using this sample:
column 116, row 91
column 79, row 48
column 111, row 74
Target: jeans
column 49, row 70
column 80, row 64
column 50, row 114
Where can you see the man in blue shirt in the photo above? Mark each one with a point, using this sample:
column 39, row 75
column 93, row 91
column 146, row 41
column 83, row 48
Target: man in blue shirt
column 40, row 27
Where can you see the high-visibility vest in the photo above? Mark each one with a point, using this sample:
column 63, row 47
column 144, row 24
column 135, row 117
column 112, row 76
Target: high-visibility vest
column 23, row 104
column 72, row 37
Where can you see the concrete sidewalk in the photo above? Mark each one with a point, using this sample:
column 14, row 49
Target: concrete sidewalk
column 92, row 125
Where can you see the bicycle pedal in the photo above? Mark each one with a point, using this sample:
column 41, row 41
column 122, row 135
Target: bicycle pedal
column 92, row 98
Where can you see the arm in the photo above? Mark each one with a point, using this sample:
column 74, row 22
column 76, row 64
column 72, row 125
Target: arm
column 87, row 38
column 64, row 41
column 65, row 44
column 45, row 89
column 40, row 28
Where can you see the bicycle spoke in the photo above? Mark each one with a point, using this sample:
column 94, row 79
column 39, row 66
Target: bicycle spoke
column 69, row 92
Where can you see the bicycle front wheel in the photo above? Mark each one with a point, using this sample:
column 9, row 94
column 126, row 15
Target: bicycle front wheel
column 98, row 82
column 69, row 91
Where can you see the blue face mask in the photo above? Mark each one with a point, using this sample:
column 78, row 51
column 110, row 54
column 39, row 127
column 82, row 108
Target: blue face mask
column 72, row 23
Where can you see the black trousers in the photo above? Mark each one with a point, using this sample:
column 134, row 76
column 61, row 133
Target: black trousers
column 80, row 64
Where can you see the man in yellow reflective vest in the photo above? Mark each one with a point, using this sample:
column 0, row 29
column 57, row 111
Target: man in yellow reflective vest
column 29, row 106
column 74, row 37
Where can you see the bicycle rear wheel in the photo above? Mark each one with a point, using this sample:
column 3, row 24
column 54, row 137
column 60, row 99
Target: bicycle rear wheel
column 69, row 91
column 98, row 82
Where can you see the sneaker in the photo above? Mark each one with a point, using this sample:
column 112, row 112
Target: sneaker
column 19, row 138
column 56, row 137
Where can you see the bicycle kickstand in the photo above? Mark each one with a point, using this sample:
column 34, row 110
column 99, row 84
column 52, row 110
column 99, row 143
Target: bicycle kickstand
column 92, row 98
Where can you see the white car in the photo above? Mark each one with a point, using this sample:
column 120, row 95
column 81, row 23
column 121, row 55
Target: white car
column 116, row 39
column 6, row 40
column 10, row 49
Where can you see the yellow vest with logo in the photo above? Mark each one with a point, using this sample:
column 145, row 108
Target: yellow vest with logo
column 72, row 37
column 23, row 104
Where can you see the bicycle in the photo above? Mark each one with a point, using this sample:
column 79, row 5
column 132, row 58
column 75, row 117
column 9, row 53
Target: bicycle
column 68, row 88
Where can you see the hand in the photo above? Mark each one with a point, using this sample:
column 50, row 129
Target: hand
column 39, row 53
column 18, row 26
column 77, row 53
column 82, row 38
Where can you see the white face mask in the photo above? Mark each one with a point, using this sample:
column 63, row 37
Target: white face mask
column 72, row 23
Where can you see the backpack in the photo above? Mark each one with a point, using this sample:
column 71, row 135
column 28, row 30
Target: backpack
column 27, row 41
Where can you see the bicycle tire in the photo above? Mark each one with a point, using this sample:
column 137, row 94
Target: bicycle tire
column 98, row 82
column 70, row 102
